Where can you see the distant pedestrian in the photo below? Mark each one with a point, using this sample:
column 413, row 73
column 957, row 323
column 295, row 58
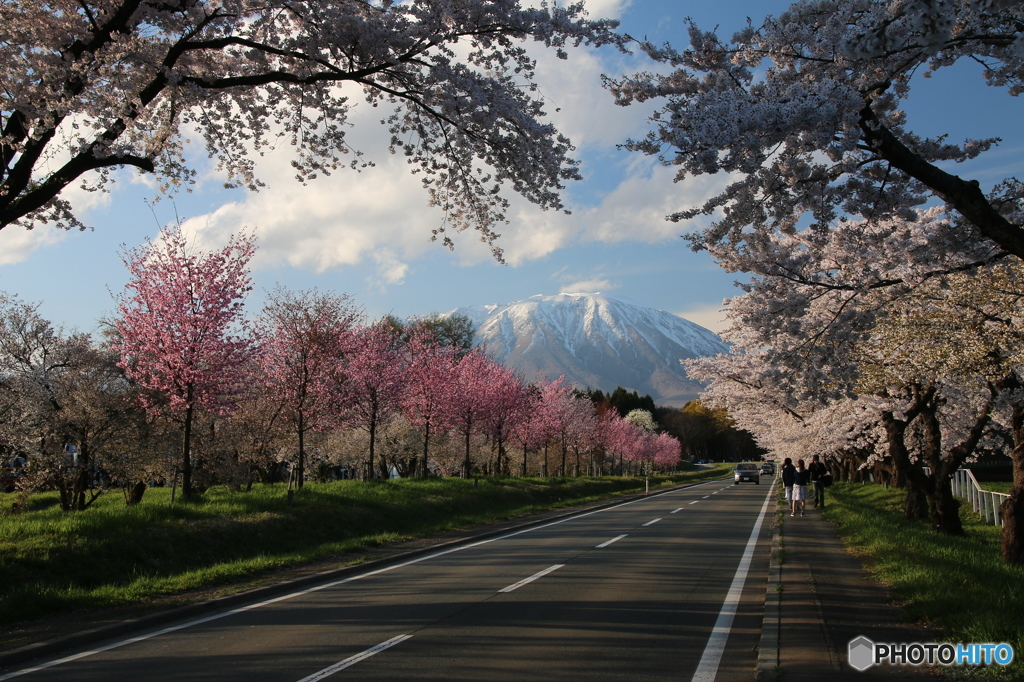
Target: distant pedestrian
column 818, row 472
column 788, row 475
column 801, row 479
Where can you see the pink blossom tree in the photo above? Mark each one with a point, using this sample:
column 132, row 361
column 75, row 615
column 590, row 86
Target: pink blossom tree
column 304, row 337
column 375, row 380
column 430, row 382
column 472, row 401
column 508, row 397
column 551, row 422
column 178, row 333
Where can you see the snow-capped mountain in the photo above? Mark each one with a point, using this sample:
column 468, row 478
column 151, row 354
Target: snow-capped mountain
column 596, row 341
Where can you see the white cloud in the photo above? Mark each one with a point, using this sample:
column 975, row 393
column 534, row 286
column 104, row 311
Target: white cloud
column 708, row 316
column 589, row 286
column 16, row 243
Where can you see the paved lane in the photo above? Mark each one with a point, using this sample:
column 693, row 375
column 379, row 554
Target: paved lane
column 630, row 592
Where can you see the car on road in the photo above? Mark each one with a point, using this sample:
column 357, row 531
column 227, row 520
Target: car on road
column 747, row 471
column 768, row 468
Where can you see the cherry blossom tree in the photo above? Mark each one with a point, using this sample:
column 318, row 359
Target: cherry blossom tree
column 811, row 129
column 430, row 383
column 473, row 402
column 375, row 380
column 178, row 333
column 304, row 337
column 507, row 395
column 93, row 85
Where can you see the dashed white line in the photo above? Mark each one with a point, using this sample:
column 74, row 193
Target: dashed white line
column 705, row 497
column 676, row 510
column 608, row 542
column 653, row 521
column 352, row 660
column 695, row 502
column 524, row 581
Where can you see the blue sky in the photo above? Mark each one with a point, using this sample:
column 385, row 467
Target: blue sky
column 367, row 234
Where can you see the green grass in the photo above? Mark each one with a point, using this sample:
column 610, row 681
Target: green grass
column 111, row 555
column 997, row 486
column 959, row 584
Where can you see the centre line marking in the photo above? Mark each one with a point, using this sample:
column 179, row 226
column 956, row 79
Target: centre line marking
column 695, row 502
column 705, row 497
column 653, row 521
column 676, row 510
column 352, row 660
column 608, row 542
column 524, row 581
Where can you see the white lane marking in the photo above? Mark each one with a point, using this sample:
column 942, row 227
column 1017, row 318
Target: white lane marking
column 716, row 492
column 705, row 497
column 653, row 521
column 608, row 542
column 676, row 510
column 695, row 502
column 325, row 586
column 352, row 660
column 708, row 666
column 524, row 581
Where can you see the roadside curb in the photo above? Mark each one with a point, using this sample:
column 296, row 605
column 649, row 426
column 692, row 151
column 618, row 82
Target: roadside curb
column 134, row 625
column 768, row 651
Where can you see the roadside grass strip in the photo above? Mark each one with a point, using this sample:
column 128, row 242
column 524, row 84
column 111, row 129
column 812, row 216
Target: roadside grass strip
column 958, row 584
column 614, row 539
column 352, row 660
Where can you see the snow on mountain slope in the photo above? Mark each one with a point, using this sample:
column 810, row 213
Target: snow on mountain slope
column 596, row 341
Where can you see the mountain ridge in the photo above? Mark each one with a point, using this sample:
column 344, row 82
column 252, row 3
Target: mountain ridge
column 596, row 341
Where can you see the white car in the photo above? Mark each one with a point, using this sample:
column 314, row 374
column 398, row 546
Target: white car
column 747, row 471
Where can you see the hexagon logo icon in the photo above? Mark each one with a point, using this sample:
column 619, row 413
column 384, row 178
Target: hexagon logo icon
column 861, row 653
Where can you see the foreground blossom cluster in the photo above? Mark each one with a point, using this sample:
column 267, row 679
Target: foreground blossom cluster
column 308, row 389
column 880, row 324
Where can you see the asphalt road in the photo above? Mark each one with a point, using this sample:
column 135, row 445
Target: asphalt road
column 632, row 592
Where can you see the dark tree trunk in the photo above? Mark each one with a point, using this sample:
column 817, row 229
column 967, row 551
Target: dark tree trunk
column 912, row 478
column 1012, row 508
column 300, row 469
column 186, row 452
column 135, row 493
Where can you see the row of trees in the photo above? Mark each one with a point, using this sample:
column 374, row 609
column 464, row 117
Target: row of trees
column 185, row 381
column 881, row 325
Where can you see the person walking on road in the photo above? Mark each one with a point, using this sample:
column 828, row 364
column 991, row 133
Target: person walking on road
column 818, row 472
column 801, row 478
column 788, row 474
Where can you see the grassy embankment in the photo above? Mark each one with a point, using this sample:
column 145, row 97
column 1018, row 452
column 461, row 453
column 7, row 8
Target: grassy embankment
column 960, row 584
column 111, row 555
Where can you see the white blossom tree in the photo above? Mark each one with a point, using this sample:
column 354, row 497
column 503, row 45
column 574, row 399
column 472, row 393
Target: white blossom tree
column 93, row 85
column 804, row 112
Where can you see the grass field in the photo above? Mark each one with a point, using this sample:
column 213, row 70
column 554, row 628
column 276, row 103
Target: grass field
column 960, row 584
column 111, row 555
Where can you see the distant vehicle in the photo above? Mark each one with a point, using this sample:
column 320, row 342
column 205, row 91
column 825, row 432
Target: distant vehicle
column 702, row 461
column 768, row 468
column 747, row 471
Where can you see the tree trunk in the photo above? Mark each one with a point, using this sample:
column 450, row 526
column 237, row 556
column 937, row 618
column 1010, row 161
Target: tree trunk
column 300, row 469
column 426, row 450
column 136, row 493
column 186, row 452
column 916, row 504
column 1012, row 508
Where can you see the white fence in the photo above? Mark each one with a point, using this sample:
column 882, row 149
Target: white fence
column 985, row 502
